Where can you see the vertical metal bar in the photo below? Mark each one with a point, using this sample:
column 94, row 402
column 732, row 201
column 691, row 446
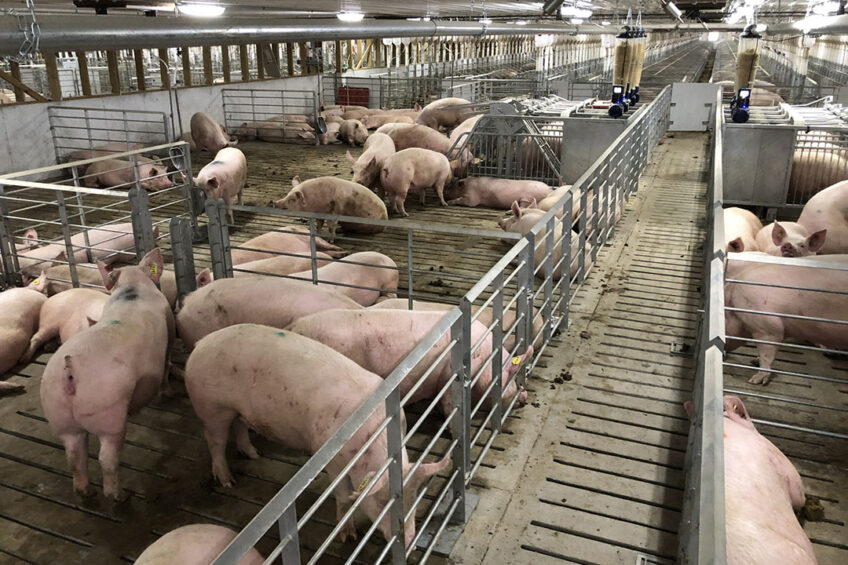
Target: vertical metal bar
column 550, row 253
column 394, row 434
column 141, row 221
column 8, row 253
column 313, row 251
column 457, row 425
column 287, row 525
column 184, row 271
column 497, row 346
column 216, row 243
column 525, row 307
column 581, row 234
column 568, row 259
column 54, row 134
column 410, row 286
column 316, row 105
column 66, row 234
column 225, row 238
column 465, row 346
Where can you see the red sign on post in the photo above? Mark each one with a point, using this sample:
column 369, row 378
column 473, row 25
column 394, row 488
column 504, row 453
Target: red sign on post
column 352, row 96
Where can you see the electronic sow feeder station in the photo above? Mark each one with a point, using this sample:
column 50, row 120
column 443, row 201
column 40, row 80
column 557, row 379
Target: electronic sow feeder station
column 499, row 283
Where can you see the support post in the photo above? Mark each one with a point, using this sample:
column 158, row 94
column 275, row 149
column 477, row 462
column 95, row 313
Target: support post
column 138, row 55
column 225, row 63
column 164, row 64
column 85, row 79
column 260, row 60
column 207, row 65
column 245, row 62
column 53, row 83
column 290, row 58
column 186, row 67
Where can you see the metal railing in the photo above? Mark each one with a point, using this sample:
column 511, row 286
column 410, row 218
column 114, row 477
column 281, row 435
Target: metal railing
column 486, row 89
column 77, row 131
column 280, row 116
column 53, row 232
column 390, row 91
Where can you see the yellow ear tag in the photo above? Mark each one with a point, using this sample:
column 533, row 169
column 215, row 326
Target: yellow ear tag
column 364, row 483
column 36, row 282
column 153, row 269
column 734, row 407
column 516, row 360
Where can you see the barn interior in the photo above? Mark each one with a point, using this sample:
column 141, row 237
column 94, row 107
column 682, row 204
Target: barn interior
column 640, row 270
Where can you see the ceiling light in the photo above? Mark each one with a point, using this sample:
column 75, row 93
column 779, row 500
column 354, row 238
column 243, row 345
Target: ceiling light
column 346, row 16
column 201, row 10
column 576, row 21
column 576, row 12
column 826, row 8
column 713, row 36
column 521, row 23
column 485, row 21
column 760, row 28
column 424, row 19
column 606, row 23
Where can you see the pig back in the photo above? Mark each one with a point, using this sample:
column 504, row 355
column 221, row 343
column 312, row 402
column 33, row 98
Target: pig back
column 195, row 544
column 287, row 387
column 19, row 312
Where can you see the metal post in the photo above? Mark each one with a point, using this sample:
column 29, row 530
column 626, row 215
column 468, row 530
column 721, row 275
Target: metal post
column 525, row 308
column 581, row 234
column 457, row 425
column 287, row 524
column 465, row 346
column 410, row 286
column 184, row 271
column 66, row 234
column 312, row 250
column 8, row 254
column 565, row 289
column 497, row 345
column 141, row 222
column 550, row 243
column 394, row 432
column 81, row 215
column 316, row 105
column 216, row 240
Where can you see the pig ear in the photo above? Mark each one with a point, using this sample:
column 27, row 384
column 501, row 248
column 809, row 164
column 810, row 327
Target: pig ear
column 91, row 321
column 213, row 182
column 40, row 283
column 533, row 204
column 737, row 245
column 300, row 196
column 778, row 234
column 350, row 157
column 417, row 107
column 816, row 241
column 516, row 362
column 204, row 277
column 516, row 209
column 295, row 181
column 689, row 406
column 735, row 405
column 152, row 264
column 109, row 276
column 31, row 238
column 381, row 483
column 154, row 172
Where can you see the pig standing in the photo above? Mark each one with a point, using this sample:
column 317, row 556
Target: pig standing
column 740, row 230
column 280, row 265
column 366, row 169
column 458, row 133
column 362, row 277
column 295, row 239
column 331, row 195
column 376, row 120
column 444, row 113
column 762, row 492
column 498, row 193
column 789, row 239
column 271, row 301
column 65, row 315
column 816, row 164
column 113, row 369
column 414, row 169
column 19, row 311
column 372, row 339
column 241, row 376
column 522, row 221
column 195, row 544
column 117, row 173
column 406, row 136
column 353, row 132
column 224, row 177
column 208, row 134
column 760, row 297
column 828, row 210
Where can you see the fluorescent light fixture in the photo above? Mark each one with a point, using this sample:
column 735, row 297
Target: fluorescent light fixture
column 760, row 28
column 346, row 16
column 606, row 23
column 201, row 10
column 825, row 8
column 575, row 12
column 424, row 19
column 576, row 21
column 485, row 21
column 713, row 36
column 521, row 23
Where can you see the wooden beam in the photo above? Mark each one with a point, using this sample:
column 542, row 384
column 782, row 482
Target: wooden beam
column 52, row 68
column 290, row 58
column 245, row 62
column 378, row 44
column 304, row 64
column 164, row 63
column 16, row 83
column 275, row 49
column 114, row 77
column 350, row 62
column 338, row 56
column 208, row 77
column 138, row 54
column 186, row 67
column 85, row 79
column 225, row 62
column 16, row 72
column 260, row 60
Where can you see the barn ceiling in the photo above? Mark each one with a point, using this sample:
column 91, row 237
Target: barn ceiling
column 708, row 10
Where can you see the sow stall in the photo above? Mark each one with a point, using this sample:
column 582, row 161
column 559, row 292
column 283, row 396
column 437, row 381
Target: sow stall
column 800, row 410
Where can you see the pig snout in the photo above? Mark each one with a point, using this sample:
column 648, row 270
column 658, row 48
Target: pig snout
column 789, row 250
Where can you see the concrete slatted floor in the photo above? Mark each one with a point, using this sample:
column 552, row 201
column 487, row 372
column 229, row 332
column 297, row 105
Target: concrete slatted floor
column 603, row 479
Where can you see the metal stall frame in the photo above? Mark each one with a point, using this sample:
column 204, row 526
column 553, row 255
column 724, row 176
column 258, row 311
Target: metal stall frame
column 74, row 213
column 74, row 128
column 702, row 537
column 248, row 105
column 487, row 89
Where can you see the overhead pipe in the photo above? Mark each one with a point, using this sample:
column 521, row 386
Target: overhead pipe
column 90, row 32
column 819, row 25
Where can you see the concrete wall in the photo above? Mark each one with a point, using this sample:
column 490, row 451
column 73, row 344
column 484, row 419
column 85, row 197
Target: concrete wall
column 26, row 143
